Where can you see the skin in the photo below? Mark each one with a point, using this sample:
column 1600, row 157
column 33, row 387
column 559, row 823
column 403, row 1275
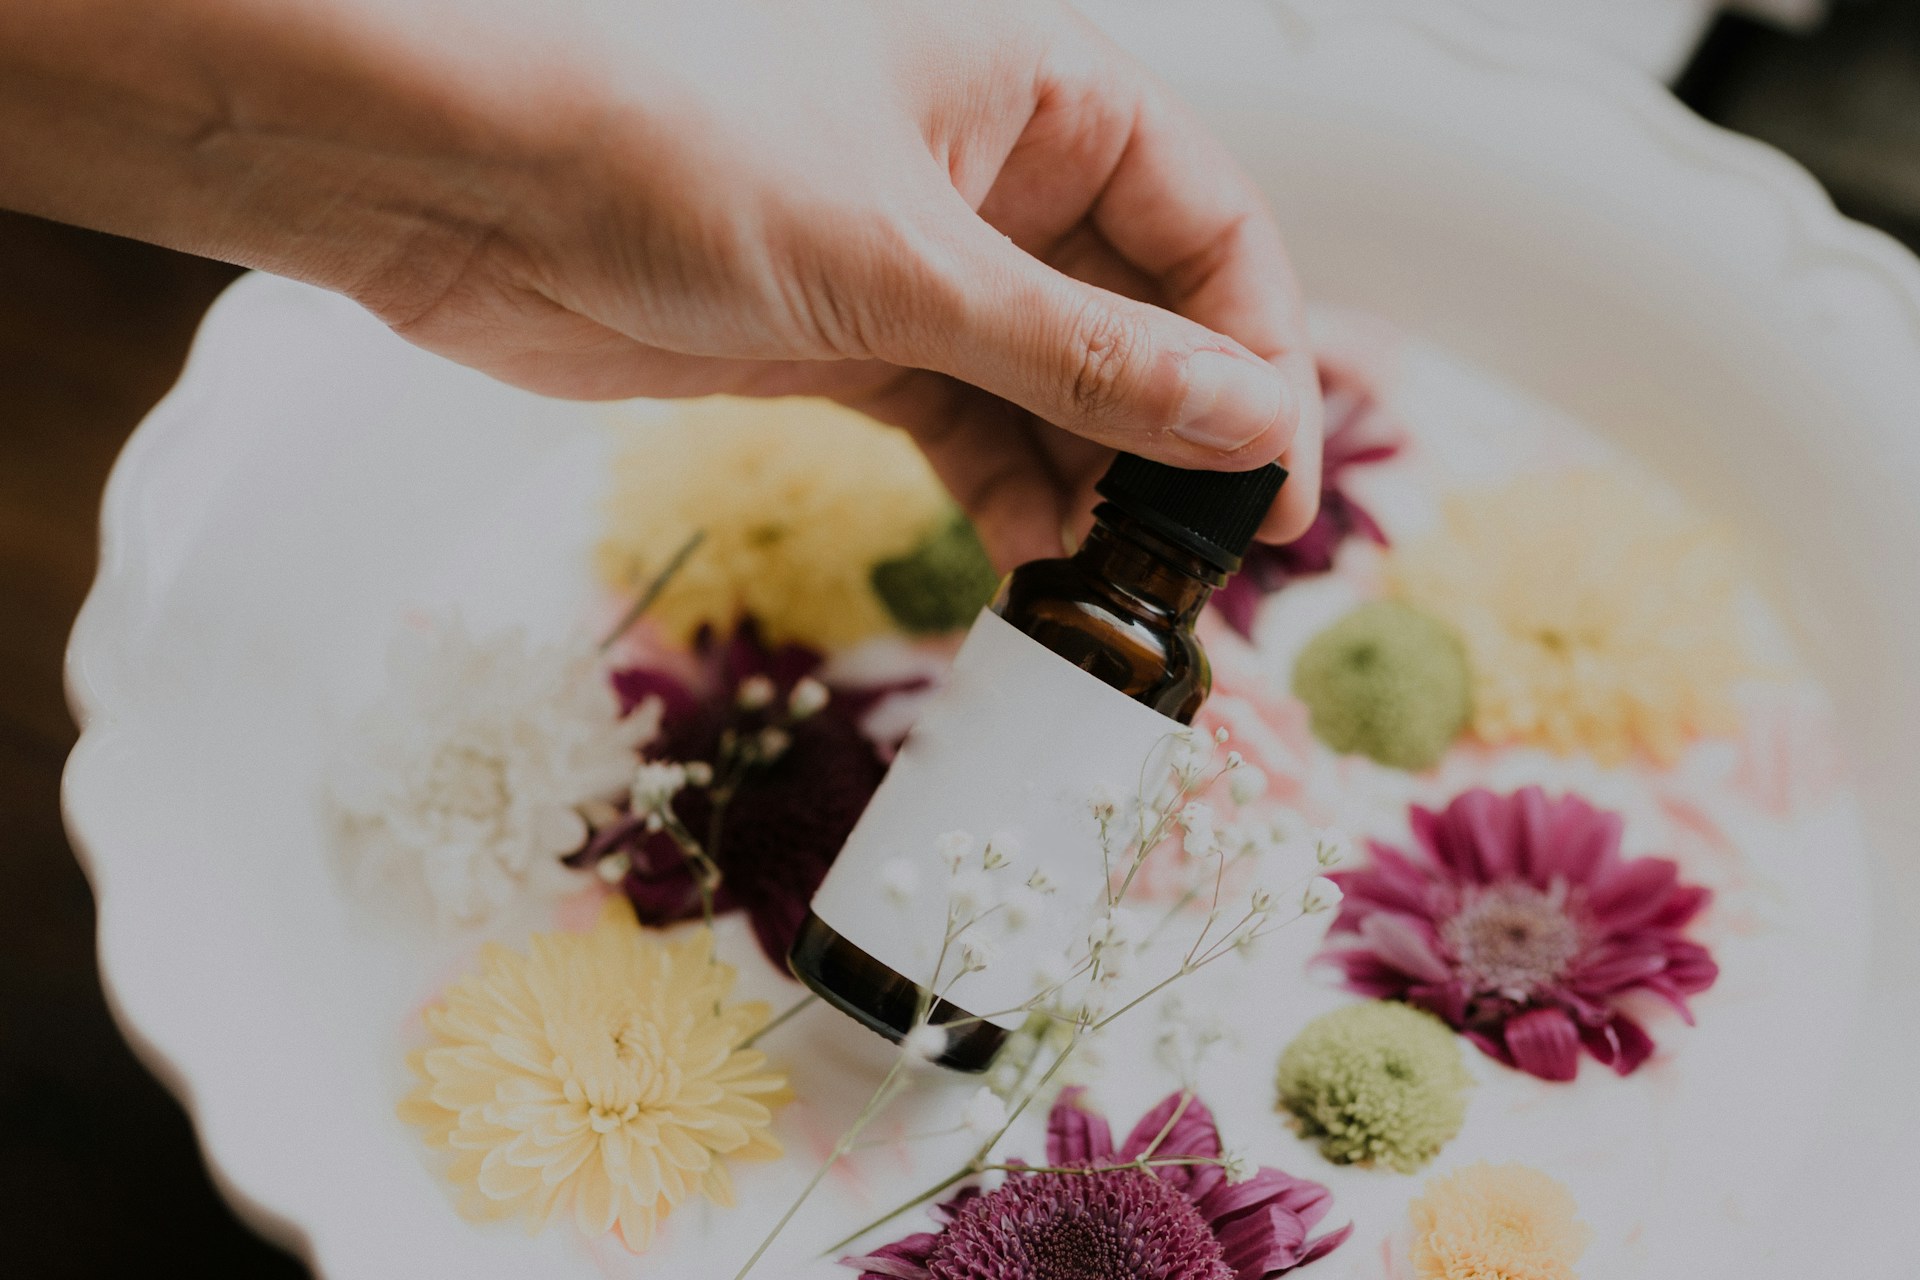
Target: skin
column 976, row 219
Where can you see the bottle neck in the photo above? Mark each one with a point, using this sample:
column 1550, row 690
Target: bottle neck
column 1146, row 567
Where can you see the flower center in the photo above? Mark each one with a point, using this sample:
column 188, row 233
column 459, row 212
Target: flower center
column 1513, row 939
column 470, row 783
column 617, row 1068
column 1114, row 1224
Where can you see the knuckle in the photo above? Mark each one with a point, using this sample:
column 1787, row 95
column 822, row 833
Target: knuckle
column 1106, row 347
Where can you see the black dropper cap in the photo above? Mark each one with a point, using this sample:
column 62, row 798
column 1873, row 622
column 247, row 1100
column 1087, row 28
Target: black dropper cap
column 1213, row 514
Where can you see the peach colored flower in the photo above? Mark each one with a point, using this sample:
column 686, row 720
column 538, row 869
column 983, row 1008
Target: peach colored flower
column 597, row 1075
column 1496, row 1222
column 1595, row 618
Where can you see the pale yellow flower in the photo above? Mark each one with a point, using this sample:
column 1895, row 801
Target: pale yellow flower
column 1496, row 1222
column 799, row 499
column 1595, row 618
column 597, row 1074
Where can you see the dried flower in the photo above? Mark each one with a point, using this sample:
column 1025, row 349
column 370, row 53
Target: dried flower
column 1387, row 682
column 595, row 1076
column 799, row 500
column 1322, row 894
column 1376, row 1083
column 1359, row 431
column 1518, row 922
column 772, row 821
column 1103, row 1214
column 468, row 778
column 926, row 1042
column 1496, row 1222
column 1594, row 619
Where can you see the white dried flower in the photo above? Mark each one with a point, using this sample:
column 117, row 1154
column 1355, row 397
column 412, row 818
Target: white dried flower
column 469, row 777
column 985, row 1113
column 1041, row 883
column 755, row 693
column 1322, row 895
column 1196, row 819
column 1261, row 903
column 1235, row 1164
column 1220, row 734
column 1188, row 756
column 955, row 847
column 1115, row 931
column 1331, row 847
column 772, row 742
column 699, row 773
column 1002, row 848
column 1105, row 801
column 973, row 893
column 1246, row 785
column 899, row 880
column 808, row 697
column 976, row 954
column 925, row 1042
column 614, row 867
column 655, row 784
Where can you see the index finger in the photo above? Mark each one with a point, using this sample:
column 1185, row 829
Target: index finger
column 1178, row 207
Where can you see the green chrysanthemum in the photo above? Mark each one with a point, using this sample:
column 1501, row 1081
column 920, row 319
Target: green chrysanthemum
column 1386, row 681
column 1376, row 1083
column 941, row 583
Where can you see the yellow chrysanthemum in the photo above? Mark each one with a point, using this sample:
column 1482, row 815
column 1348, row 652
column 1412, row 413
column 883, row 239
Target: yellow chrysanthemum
column 597, row 1074
column 1496, row 1222
column 799, row 499
column 1594, row 618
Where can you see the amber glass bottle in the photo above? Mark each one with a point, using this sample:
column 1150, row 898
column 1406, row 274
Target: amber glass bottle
column 1122, row 608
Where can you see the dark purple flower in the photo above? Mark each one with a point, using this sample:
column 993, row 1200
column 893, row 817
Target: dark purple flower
column 1359, row 431
column 773, row 826
column 1519, row 923
column 1098, row 1213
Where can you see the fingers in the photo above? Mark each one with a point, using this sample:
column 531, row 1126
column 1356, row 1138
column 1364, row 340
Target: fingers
column 1103, row 366
column 989, row 456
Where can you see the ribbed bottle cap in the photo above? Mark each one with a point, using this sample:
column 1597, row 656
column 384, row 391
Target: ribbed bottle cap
column 1213, row 514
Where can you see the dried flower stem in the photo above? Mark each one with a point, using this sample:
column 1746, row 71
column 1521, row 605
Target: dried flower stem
column 653, row 589
column 797, row 1007
column 868, row 1114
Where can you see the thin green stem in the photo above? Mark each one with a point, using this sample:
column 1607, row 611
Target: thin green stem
column 875, row 1105
column 654, row 588
column 797, row 1007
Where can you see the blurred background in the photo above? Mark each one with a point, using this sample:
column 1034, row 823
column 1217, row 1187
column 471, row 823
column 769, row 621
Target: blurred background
column 93, row 331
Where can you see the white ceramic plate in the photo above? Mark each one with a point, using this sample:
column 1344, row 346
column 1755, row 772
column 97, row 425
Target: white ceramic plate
column 1537, row 209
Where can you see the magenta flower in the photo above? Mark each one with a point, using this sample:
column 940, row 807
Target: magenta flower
column 783, row 819
column 1519, row 923
column 1359, row 431
column 1101, row 1214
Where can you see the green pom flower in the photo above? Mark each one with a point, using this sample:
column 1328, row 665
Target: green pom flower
column 1386, row 681
column 1376, row 1083
column 941, row 584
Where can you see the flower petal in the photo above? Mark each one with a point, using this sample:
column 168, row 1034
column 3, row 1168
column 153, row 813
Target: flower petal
column 902, row 1260
column 1076, row 1135
column 1544, row 1043
column 1400, row 941
column 1189, row 1130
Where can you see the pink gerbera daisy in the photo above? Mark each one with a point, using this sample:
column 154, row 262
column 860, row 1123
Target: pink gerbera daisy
column 1101, row 1214
column 1518, row 922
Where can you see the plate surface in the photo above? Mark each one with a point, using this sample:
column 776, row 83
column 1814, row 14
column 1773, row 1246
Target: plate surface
column 1540, row 211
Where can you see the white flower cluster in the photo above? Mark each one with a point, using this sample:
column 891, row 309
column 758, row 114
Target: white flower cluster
column 470, row 776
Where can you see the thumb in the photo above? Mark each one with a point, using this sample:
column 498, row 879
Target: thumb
column 1121, row 372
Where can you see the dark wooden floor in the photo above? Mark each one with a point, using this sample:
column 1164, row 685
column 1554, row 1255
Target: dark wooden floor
column 99, row 1175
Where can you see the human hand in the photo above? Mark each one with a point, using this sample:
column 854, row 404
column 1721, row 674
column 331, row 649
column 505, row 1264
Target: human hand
column 981, row 221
